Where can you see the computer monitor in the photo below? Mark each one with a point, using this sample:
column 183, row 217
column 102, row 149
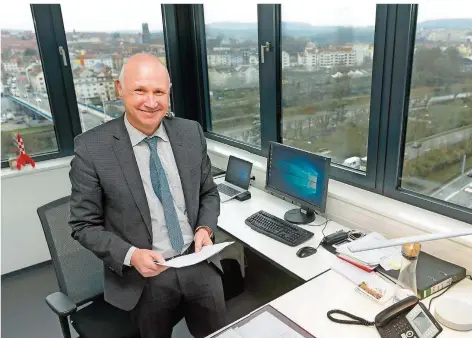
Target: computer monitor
column 300, row 177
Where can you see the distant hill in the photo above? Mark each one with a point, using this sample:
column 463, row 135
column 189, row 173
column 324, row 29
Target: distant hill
column 319, row 34
column 447, row 24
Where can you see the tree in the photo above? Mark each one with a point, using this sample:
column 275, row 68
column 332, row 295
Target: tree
column 29, row 52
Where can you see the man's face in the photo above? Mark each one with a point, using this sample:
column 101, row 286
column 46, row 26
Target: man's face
column 145, row 94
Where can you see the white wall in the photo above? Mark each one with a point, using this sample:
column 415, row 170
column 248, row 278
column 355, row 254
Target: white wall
column 22, row 237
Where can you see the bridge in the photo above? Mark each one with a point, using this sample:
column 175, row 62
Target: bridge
column 44, row 113
column 98, row 112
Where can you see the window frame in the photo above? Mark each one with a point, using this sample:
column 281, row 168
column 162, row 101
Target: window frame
column 401, row 85
column 268, row 16
column 46, row 28
column 395, row 30
column 270, row 76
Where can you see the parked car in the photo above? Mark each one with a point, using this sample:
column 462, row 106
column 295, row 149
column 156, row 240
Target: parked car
column 468, row 188
column 416, row 145
column 38, row 99
column 469, row 173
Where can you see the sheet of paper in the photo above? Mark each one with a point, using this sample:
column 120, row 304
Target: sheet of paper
column 229, row 334
column 349, row 271
column 371, row 257
column 266, row 325
column 393, row 262
column 195, row 258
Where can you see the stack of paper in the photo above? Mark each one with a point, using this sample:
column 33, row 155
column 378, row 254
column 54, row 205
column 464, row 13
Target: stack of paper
column 371, row 258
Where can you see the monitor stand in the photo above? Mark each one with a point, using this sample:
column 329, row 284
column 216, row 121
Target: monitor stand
column 299, row 216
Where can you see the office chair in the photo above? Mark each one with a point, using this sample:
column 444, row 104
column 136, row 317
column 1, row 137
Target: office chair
column 79, row 274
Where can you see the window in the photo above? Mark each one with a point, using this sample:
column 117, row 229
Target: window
column 327, row 60
column 24, row 99
column 233, row 71
column 437, row 159
column 98, row 49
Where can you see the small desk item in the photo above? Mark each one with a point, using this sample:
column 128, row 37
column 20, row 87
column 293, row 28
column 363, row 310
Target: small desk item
column 266, row 322
column 406, row 318
column 243, row 196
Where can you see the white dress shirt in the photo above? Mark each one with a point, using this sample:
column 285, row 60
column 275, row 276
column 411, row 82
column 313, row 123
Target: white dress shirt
column 160, row 239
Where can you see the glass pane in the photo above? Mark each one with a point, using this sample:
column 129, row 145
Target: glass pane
column 438, row 150
column 24, row 99
column 233, row 71
column 98, row 48
column 327, row 53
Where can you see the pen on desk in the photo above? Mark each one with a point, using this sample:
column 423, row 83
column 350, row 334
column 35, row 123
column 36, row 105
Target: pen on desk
column 355, row 264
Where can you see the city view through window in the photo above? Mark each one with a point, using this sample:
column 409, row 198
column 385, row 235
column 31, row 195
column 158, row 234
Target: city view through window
column 97, row 51
column 327, row 63
column 438, row 149
column 24, row 99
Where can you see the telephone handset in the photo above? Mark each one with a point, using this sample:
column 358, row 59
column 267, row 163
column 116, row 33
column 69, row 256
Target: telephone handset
column 384, row 317
column 408, row 318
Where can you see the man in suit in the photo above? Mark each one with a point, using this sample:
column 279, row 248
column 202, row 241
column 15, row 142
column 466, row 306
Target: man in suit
column 142, row 191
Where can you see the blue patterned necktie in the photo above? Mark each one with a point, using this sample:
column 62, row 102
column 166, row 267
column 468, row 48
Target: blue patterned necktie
column 162, row 191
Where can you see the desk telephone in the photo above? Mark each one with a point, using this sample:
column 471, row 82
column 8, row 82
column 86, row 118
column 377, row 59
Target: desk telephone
column 407, row 318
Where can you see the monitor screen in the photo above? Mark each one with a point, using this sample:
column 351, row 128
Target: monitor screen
column 298, row 174
column 238, row 172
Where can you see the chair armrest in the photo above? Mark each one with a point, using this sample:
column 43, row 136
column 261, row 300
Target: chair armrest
column 61, row 304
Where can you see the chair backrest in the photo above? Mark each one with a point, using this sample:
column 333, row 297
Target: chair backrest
column 79, row 272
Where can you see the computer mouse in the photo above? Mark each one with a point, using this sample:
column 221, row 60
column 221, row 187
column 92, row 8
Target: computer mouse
column 306, row 251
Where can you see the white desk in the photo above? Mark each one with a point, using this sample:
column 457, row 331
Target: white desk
column 308, row 304
column 234, row 213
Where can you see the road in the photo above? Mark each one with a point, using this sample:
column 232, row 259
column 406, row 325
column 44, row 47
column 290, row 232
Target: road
column 437, row 141
column 453, row 192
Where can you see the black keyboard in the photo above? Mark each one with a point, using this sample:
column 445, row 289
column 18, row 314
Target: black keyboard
column 278, row 229
column 227, row 190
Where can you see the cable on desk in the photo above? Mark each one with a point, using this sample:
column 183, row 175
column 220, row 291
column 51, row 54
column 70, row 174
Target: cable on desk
column 322, row 231
column 357, row 320
column 450, row 286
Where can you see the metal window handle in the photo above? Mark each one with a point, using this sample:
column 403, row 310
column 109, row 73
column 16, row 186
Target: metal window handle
column 264, row 48
column 63, row 53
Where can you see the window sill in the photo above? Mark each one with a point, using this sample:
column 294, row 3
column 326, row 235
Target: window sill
column 40, row 166
column 415, row 217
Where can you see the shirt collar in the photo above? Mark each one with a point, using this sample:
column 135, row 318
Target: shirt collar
column 137, row 136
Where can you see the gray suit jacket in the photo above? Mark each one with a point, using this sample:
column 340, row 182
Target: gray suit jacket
column 109, row 212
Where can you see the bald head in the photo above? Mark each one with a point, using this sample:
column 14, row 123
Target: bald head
column 144, row 87
column 141, row 59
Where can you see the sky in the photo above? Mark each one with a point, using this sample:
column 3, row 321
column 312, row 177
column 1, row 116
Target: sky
column 107, row 15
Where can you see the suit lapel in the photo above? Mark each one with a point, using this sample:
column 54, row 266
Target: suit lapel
column 125, row 155
column 180, row 156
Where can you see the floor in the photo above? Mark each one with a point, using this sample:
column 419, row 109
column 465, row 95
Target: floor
column 22, row 299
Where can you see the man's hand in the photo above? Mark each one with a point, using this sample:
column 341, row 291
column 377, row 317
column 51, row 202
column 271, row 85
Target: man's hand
column 202, row 238
column 143, row 261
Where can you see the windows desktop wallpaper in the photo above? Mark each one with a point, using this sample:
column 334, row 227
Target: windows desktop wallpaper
column 297, row 174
